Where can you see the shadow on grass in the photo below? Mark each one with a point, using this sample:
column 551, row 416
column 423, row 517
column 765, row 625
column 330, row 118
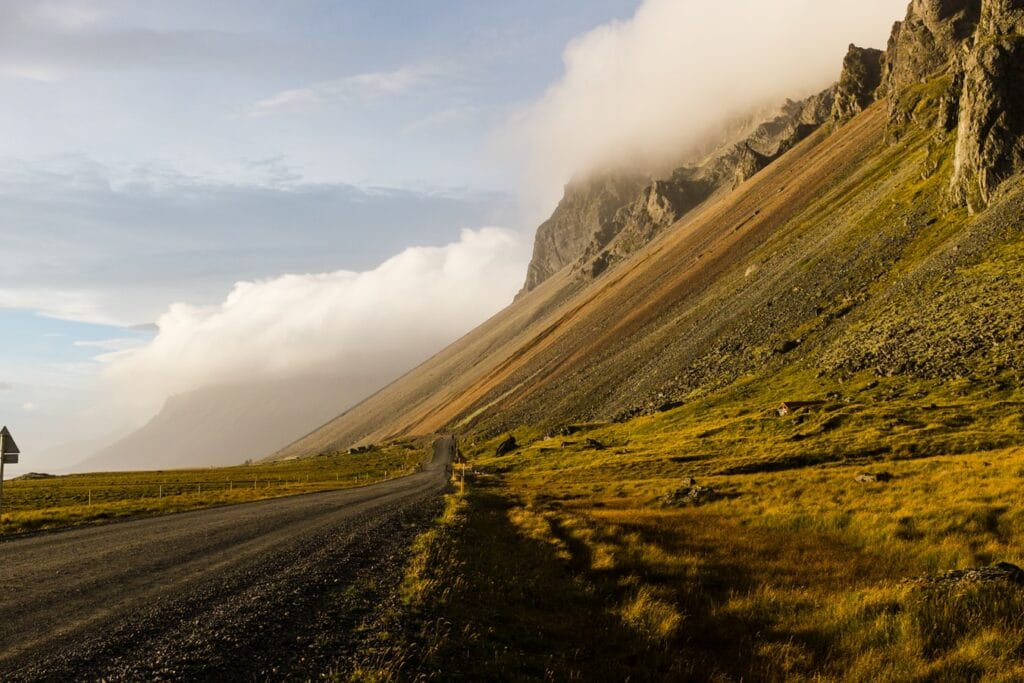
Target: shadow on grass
column 523, row 612
column 520, row 613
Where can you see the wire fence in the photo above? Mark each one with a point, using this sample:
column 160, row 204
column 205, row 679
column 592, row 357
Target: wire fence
column 34, row 494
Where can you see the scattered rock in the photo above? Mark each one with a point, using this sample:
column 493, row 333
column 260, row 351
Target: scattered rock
column 595, row 445
column 688, row 481
column 669, row 405
column 507, row 446
column 690, row 495
column 1002, row 571
column 870, row 478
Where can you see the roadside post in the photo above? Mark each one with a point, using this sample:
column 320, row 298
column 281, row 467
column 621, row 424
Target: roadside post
column 8, row 456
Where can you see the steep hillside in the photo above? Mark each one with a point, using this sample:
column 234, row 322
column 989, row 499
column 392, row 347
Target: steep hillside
column 883, row 243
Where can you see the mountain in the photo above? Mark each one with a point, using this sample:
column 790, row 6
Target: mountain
column 874, row 228
column 226, row 425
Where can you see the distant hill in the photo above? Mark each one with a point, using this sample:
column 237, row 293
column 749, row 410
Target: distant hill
column 875, row 228
column 227, row 425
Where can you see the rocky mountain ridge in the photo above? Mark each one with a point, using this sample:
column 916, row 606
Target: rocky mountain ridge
column 968, row 52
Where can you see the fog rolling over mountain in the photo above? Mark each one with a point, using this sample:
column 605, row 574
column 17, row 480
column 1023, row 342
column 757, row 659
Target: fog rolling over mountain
column 828, row 241
column 278, row 358
column 226, row 425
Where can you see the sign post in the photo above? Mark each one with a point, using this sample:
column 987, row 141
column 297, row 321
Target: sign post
column 8, row 456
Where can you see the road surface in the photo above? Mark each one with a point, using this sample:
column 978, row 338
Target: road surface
column 261, row 590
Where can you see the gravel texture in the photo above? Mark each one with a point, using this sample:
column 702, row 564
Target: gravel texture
column 267, row 590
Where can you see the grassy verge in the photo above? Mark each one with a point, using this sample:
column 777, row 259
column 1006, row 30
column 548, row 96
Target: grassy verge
column 35, row 504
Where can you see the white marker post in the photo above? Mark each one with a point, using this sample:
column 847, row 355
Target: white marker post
column 8, row 456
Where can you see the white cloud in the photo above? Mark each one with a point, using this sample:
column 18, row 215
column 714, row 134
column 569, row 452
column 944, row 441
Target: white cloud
column 28, row 407
column 365, row 86
column 650, row 87
column 379, row 322
column 6, row 386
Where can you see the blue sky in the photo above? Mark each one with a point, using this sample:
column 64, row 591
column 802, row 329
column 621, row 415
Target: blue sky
column 145, row 160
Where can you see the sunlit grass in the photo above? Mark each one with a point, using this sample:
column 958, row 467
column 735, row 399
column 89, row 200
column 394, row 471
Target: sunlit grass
column 35, row 504
column 797, row 572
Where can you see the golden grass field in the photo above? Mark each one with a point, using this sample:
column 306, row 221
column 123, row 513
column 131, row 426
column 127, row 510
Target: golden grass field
column 561, row 561
column 35, row 504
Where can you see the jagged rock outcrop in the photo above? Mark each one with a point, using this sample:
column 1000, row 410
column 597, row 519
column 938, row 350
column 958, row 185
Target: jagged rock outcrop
column 967, row 57
column 607, row 217
column 665, row 201
column 582, row 218
column 926, row 40
column 861, row 76
column 990, row 126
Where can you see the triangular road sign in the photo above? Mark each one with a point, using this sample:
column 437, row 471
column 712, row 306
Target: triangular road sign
column 9, row 447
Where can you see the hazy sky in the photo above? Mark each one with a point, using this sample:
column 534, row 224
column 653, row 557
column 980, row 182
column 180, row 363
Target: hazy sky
column 269, row 179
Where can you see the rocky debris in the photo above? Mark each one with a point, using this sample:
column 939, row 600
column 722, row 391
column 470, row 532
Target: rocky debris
column 1002, row 571
column 669, row 405
column 506, row 446
column 860, row 78
column 688, row 481
column 873, row 477
column 690, row 495
column 990, row 132
column 594, row 444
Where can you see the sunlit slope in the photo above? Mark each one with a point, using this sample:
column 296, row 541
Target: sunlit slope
column 649, row 330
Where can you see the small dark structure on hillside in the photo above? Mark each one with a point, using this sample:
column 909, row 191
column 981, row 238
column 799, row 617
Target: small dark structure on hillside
column 789, row 407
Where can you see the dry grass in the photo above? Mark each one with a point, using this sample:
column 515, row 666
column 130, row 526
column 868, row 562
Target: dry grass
column 31, row 505
column 561, row 562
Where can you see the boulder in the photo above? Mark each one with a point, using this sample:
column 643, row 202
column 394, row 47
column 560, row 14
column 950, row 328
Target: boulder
column 873, row 477
column 506, row 446
column 690, row 495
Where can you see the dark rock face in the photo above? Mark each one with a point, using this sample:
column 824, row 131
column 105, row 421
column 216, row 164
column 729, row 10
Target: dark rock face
column 861, row 76
column 926, row 41
column 581, row 218
column 990, row 132
column 596, row 225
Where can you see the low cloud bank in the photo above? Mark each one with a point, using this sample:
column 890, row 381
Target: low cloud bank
column 649, row 88
column 378, row 323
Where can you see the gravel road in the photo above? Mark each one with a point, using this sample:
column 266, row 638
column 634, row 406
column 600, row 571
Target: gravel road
column 258, row 591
